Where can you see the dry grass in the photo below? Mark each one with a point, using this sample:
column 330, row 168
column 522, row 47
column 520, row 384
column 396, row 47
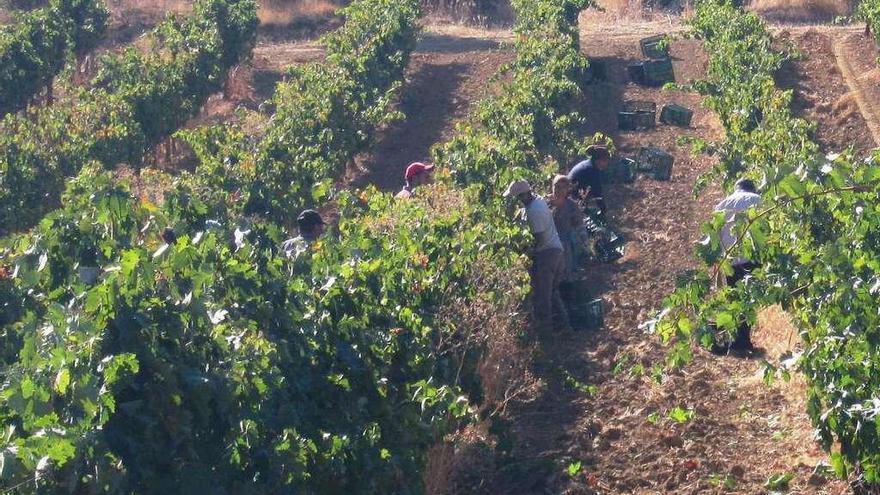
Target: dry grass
column 801, row 11
column 776, row 333
column 623, row 8
column 286, row 12
column 481, row 12
column 845, row 109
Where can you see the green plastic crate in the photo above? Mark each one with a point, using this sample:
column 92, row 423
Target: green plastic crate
column 636, row 72
column 655, row 162
column 587, row 315
column 610, row 247
column 636, row 115
column 576, row 290
column 654, row 46
column 606, row 245
column 675, row 114
column 658, row 72
column 620, row 171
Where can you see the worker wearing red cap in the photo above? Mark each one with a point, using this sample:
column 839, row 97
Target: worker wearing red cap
column 417, row 174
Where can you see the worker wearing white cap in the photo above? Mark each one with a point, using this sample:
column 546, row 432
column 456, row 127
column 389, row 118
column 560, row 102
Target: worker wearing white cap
column 547, row 258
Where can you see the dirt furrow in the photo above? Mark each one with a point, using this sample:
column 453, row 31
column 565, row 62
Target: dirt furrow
column 867, row 104
column 446, row 76
column 821, row 93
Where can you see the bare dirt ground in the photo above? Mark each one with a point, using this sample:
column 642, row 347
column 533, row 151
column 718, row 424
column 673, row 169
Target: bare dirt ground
column 449, row 72
column 801, row 11
column 857, row 57
column 821, row 91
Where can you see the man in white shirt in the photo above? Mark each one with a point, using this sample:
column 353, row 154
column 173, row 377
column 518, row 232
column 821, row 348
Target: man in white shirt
column 547, row 268
column 311, row 226
column 743, row 198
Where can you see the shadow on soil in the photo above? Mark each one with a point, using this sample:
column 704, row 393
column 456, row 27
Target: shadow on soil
column 427, row 102
column 264, row 82
column 301, row 28
column 789, row 77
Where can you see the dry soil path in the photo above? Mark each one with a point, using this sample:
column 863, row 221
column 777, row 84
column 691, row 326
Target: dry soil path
column 862, row 85
column 867, row 106
column 835, row 84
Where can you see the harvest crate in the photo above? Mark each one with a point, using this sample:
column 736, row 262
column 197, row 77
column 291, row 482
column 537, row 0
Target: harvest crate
column 654, row 47
column 637, row 115
column 655, row 162
column 636, row 72
column 606, row 245
column 658, row 72
column 675, row 114
column 576, row 290
column 588, row 315
column 610, row 247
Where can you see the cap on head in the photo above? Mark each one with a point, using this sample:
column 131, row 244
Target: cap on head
column 745, row 184
column 308, row 219
column 417, row 168
column 517, row 187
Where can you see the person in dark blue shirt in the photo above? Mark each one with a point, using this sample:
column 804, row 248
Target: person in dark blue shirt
column 587, row 176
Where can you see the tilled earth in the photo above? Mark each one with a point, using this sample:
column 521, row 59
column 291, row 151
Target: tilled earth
column 821, row 94
column 444, row 78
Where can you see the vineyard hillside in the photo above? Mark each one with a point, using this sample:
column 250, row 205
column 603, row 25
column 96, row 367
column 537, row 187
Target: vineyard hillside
column 159, row 336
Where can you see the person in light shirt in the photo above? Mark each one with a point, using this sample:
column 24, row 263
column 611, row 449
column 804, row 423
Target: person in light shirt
column 743, row 198
column 311, row 227
column 547, row 268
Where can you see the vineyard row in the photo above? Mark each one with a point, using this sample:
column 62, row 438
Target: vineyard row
column 35, row 48
column 814, row 237
column 137, row 100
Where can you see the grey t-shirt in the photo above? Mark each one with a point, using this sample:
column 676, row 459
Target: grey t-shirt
column 541, row 224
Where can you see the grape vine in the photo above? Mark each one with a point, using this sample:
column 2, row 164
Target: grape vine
column 216, row 363
column 35, row 48
column 814, row 237
column 137, row 100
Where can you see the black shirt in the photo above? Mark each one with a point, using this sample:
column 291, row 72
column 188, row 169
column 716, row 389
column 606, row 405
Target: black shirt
column 583, row 176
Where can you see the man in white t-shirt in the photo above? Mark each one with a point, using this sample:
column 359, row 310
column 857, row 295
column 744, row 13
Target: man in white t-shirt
column 547, row 262
column 311, row 227
column 734, row 206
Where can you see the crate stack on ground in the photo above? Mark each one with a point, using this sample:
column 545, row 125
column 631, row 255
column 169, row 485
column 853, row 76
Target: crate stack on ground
column 656, row 70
